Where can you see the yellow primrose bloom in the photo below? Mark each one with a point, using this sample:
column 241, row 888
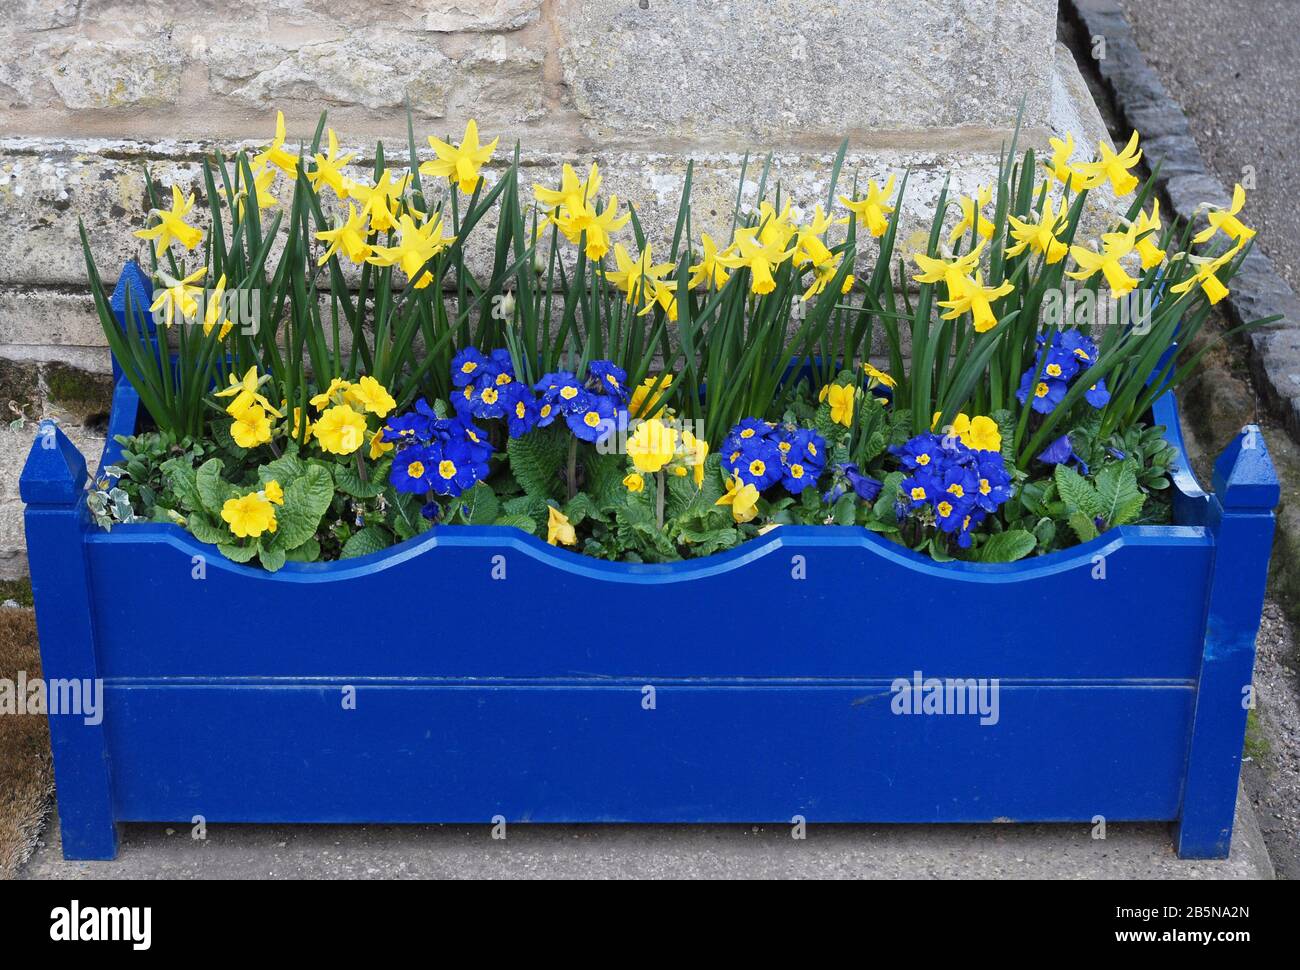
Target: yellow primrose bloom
column 1114, row 247
column 652, row 445
column 636, row 278
column 743, row 499
column 378, row 446
column 1205, row 277
column 823, row 273
column 341, row 430
column 349, row 238
column 273, row 493
column 634, row 482
column 976, row 299
column 172, row 226
column 1148, row 226
column 872, row 209
column 178, row 296
column 875, row 376
column 251, row 426
column 559, row 531
column 708, row 269
column 1040, row 237
column 572, row 194
column 245, row 391
column 327, row 169
column 287, row 162
column 416, row 245
column 599, row 226
column 249, row 515
column 952, row 272
column 750, row 252
column 1225, row 220
column 371, row 396
column 972, row 216
column 332, row 394
column 212, row 313
column 695, row 452
column 379, row 202
column 1114, row 168
column 641, row 394
column 460, row 164
column 1060, row 166
column 841, row 398
column 982, row 434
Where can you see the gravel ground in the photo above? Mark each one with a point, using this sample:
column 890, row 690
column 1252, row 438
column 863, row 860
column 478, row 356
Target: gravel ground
column 1233, row 65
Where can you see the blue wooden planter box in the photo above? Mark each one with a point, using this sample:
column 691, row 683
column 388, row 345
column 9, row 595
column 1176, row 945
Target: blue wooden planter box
column 753, row 686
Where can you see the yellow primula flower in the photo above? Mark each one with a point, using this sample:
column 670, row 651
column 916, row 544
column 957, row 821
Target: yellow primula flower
column 1226, row 221
column 249, row 515
column 371, row 396
column 872, row 210
column 378, row 446
column 172, row 226
column 634, row 482
column 349, row 238
column 652, row 446
column 340, row 430
column 708, row 269
column 743, row 499
column 599, row 226
column 1114, row 247
column 1114, row 168
column 972, row 216
column 461, row 163
column 273, row 493
column 1040, row 237
column 250, row 426
column 982, row 434
column 559, row 530
column 694, row 451
column 416, row 245
column 749, row 252
column 287, row 162
column 841, row 398
column 977, row 299
column 334, row 394
column 636, row 279
column 327, row 169
column 178, row 296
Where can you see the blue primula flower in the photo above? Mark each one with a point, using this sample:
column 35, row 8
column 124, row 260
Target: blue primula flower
column 1097, row 395
column 412, row 469
column 468, row 367
column 610, row 378
column 1047, row 393
column 595, row 422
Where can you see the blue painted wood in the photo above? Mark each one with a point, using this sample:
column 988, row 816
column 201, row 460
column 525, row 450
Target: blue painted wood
column 56, row 522
column 523, row 696
column 1241, row 518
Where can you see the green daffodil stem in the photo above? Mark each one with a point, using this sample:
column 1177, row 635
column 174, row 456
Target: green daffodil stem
column 573, row 467
column 659, row 498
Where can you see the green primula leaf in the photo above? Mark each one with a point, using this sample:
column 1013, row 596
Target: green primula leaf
column 1075, row 492
column 272, row 556
column 1121, row 499
column 237, row 553
column 213, row 491
column 885, row 508
column 707, row 542
column 181, row 478
column 480, row 505
column 305, row 500
column 283, row 470
column 1007, row 546
column 203, row 529
column 846, row 509
column 580, row 508
column 1083, row 525
column 309, row 551
column 365, row 541
column 524, row 522
column 348, row 480
column 537, row 458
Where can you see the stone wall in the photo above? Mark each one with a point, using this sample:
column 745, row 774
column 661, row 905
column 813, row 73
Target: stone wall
column 91, row 90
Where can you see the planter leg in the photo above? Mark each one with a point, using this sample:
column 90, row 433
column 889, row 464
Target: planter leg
column 57, row 519
column 1241, row 518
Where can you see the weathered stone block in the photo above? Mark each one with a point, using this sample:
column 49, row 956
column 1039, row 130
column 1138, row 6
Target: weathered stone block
column 451, row 15
column 97, row 74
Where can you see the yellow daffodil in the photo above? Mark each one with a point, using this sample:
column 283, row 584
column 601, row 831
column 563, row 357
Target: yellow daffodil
column 841, row 398
column 349, row 238
column 1225, row 221
column 1040, row 236
column 1148, row 227
column 296, row 424
column 572, row 194
column 213, row 312
column 273, row 493
column 636, row 279
column 751, row 253
column 379, row 202
column 808, row 244
column 634, row 482
column 708, row 269
column 652, row 445
column 249, row 515
column 1114, row 168
column 262, row 179
column 178, row 296
column 664, row 295
column 743, row 499
column 371, row 396
column 972, row 216
column 172, row 226
column 327, row 170
column 976, row 299
column 1060, row 166
column 872, row 210
column 250, row 426
column 287, row 162
column 875, row 376
column 559, row 530
column 246, row 391
column 416, row 245
column 1114, row 247
column 823, row 273
column 952, row 272
column 641, row 395
column 774, row 228
column 341, row 430
column 599, row 226
column 1206, row 278
column 460, row 163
